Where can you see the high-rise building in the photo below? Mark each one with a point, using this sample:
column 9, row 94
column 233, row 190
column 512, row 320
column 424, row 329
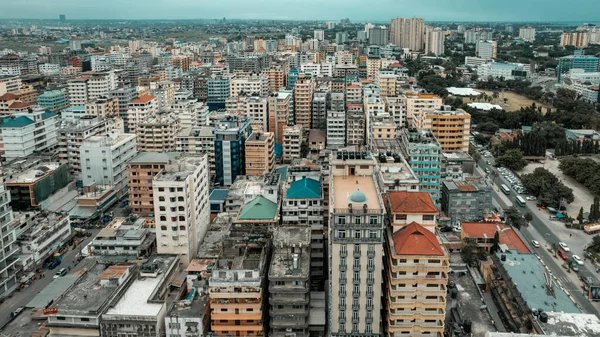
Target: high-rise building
column 158, row 134
column 303, row 96
column 423, row 153
column 588, row 63
column 356, row 232
column 181, row 207
column 230, row 139
column 487, row 49
column 255, row 84
column 280, row 104
column 341, row 37
column 319, row 110
column 292, row 142
column 527, row 34
column 141, row 109
column 10, row 250
column 24, row 133
column 260, row 153
column 415, row 103
column 53, row 101
column 104, row 160
column 276, row 77
column 319, row 34
column 434, row 41
column 408, row 33
column 379, row 36
column 125, row 96
column 102, row 106
column 578, row 40
column 336, row 129
column 450, row 126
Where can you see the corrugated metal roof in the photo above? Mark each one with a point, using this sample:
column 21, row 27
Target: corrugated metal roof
column 303, row 189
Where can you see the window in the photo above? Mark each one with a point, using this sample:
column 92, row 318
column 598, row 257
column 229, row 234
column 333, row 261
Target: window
column 162, row 208
column 180, row 198
column 341, row 234
column 163, row 218
column 61, row 318
column 428, row 217
column 163, row 227
column 161, row 198
column 182, row 228
column 357, row 234
column 181, row 218
column 400, row 216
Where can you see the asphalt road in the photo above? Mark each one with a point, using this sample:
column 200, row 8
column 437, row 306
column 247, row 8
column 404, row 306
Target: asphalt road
column 21, row 298
column 541, row 230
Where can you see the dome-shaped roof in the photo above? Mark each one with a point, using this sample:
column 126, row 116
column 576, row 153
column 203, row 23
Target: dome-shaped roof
column 357, row 197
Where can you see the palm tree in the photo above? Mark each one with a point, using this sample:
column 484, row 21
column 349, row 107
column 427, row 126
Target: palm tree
column 555, row 248
column 495, row 95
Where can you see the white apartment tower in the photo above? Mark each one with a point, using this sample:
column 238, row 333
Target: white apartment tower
column 141, row 109
column 181, row 206
column 434, row 41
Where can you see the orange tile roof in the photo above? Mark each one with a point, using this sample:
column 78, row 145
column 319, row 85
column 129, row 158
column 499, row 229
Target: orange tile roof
column 143, row 99
column 19, row 105
column 353, row 86
column 411, row 202
column 113, row 271
column 414, row 239
column 508, row 236
column 79, row 79
column 396, row 65
column 8, row 97
column 512, row 240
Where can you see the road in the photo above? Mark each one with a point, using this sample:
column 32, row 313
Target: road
column 21, row 298
column 547, row 232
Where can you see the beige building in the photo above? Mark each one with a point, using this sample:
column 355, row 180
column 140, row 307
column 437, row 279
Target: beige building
column 434, row 41
column 103, row 106
column 249, row 85
column 140, row 110
column 416, row 279
column 452, row 128
column 277, row 78
column 255, row 107
column 354, row 93
column 406, row 207
column 198, row 140
column 292, row 142
column 416, row 103
column 280, row 104
column 303, row 96
column 356, row 231
column 158, row 134
column 260, row 153
column 578, row 40
column 408, row 33
column 373, row 64
column 355, row 128
column 380, row 127
column 388, row 83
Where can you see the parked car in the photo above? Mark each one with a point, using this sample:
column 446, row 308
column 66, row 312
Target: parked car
column 531, row 198
column 577, row 259
column 535, row 244
column 563, row 255
column 564, row 246
column 574, row 267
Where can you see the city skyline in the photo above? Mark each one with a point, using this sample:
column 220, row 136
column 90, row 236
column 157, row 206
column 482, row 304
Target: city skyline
column 436, row 10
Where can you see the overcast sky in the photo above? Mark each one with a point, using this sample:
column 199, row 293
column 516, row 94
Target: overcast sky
column 356, row 10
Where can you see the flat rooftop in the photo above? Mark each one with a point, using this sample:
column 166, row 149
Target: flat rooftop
column 218, row 230
column 282, row 262
column 33, row 174
column 571, row 324
column 154, row 157
column 180, row 168
column 344, row 186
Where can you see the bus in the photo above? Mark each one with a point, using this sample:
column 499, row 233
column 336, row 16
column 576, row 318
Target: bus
column 505, row 189
column 520, row 201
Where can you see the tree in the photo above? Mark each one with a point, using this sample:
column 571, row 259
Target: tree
column 513, row 159
column 596, row 240
column 555, row 248
column 580, row 216
column 513, row 217
column 547, row 187
column 469, row 252
column 496, row 242
column 528, row 216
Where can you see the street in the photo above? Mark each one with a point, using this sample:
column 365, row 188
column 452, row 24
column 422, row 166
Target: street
column 547, row 232
column 21, row 298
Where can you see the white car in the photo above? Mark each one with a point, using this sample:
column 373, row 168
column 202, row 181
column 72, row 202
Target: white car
column 564, row 246
column 577, row 259
column 535, row 244
column 530, row 198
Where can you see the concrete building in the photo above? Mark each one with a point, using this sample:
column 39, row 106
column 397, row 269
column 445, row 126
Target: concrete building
column 527, row 34
column 236, row 285
column 32, row 184
column 477, row 34
column 408, row 33
column 125, row 96
column 41, row 235
column 164, row 91
column 353, row 93
column 24, row 133
column 289, row 282
column 10, row 250
column 416, row 103
column 588, row 63
column 253, row 85
column 181, row 206
column 104, row 160
column 336, row 129
column 578, row 40
column 417, row 267
column 218, row 91
column 486, row 49
column 53, row 101
column 189, row 317
column 158, row 134
column 356, row 232
column 434, row 41
column 388, row 83
column 260, row 153
column 91, row 85
column 394, row 173
column 396, row 108
column 355, row 129
column 230, row 138
column 379, row 35
column 507, row 71
column 276, row 77
column 321, row 101
column 292, row 142
column 102, row 106
column 140, row 110
column 303, row 96
column 255, row 107
column 198, row 140
column 466, row 202
column 451, row 127
column 423, row 153
column 281, row 107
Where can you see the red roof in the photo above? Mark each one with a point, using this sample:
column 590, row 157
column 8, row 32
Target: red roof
column 411, row 202
column 19, row 105
column 8, row 97
column 512, row 240
column 414, row 239
column 395, row 65
column 353, row 86
column 485, row 230
column 143, row 99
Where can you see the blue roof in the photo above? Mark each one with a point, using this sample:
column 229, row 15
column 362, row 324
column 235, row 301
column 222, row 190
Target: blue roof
column 303, row 189
column 47, row 115
column 18, row 122
column 282, row 172
column 218, row 194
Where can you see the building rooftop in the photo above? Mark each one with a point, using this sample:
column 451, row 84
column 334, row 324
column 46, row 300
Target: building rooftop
column 143, row 99
column 284, row 264
column 218, row 230
column 571, row 324
column 460, row 186
column 8, row 97
column 35, row 173
column 317, row 136
column 179, row 168
column 304, row 188
column 16, row 122
column 258, row 208
column 527, row 273
column 218, row 194
column 193, row 308
column 411, row 202
column 414, row 239
column 508, row 237
column 154, row 157
column 355, row 190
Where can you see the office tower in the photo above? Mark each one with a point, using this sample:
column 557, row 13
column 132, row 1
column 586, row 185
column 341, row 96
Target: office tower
column 450, row 126
column 417, row 267
column 578, row 40
column 280, row 104
column 587, row 63
column 24, row 133
column 527, row 34
column 378, row 36
column 10, row 250
column 140, row 110
column 408, row 33
column 260, row 153
column 423, row 153
column 289, row 282
column 319, row 35
column 230, row 138
column 434, row 42
column 356, row 231
column 181, row 206
column 62, row 18
column 303, row 95
column 104, row 160
column 487, row 49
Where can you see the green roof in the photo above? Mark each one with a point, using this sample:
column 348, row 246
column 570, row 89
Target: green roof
column 18, row 122
column 259, row 209
column 304, row 188
column 47, row 115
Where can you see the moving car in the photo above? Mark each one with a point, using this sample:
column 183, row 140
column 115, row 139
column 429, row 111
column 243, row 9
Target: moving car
column 574, row 267
column 530, row 198
column 61, row 272
column 563, row 255
column 535, row 244
column 564, row 246
column 577, row 259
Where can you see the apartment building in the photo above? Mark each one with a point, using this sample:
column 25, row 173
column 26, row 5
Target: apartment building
column 408, row 33
column 353, row 93
column 355, row 128
column 527, row 34
column 292, row 142
column 53, row 101
column 373, row 64
column 91, row 85
column 230, row 138
column 9, row 257
column 236, row 285
column 10, row 84
column 164, row 91
column 415, row 286
column 140, row 110
column 78, row 91
column 416, row 103
column 190, row 112
column 260, row 153
column 24, row 133
column 380, row 128
column 254, row 85
column 451, row 127
column 578, row 40
column 356, row 232
column 396, row 108
column 336, row 129
column 423, row 153
column 289, row 282
column 280, row 106
column 255, row 107
column 486, row 49
column 434, row 41
column 104, row 160
column 198, row 140
column 276, row 77
column 303, row 96
column 158, row 134
column 124, row 96
column 102, row 106
column 321, row 102
column 406, row 207
column 181, row 206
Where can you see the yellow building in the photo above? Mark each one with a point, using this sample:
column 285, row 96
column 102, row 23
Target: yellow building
column 416, row 276
column 452, row 128
column 416, row 103
column 276, row 78
column 260, row 153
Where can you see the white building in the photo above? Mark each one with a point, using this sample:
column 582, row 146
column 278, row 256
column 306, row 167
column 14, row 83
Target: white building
column 434, row 41
column 508, row 71
column 336, row 129
column 191, row 113
column 319, row 34
column 181, row 206
column 141, row 109
column 318, row 69
column 486, row 49
column 255, row 107
column 527, row 34
column 49, row 69
column 104, row 160
column 27, row 132
column 164, row 91
column 41, row 236
column 250, row 85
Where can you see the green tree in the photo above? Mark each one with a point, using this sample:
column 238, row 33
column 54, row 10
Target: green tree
column 596, row 240
column 496, row 242
column 513, row 217
column 513, row 159
column 555, row 248
column 528, row 216
column 580, row 216
column 469, row 252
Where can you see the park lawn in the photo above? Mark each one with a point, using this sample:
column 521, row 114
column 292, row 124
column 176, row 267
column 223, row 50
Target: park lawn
column 515, row 101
